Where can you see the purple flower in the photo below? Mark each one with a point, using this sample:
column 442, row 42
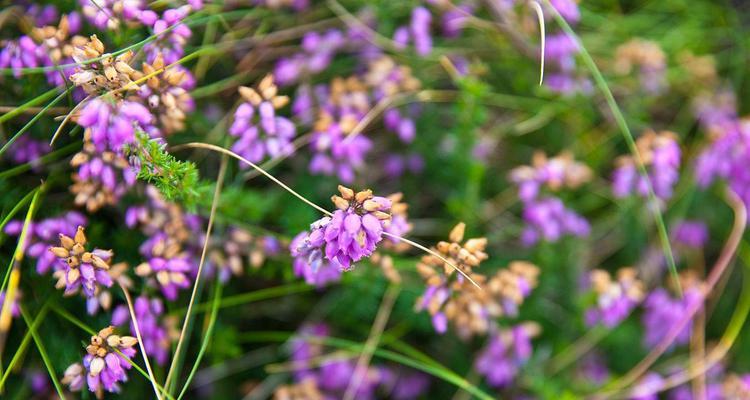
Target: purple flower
column 80, row 269
column 309, row 263
column 662, row 313
column 507, row 351
column 693, row 234
column 170, row 44
column 316, row 55
column 261, row 132
column 561, row 49
column 455, row 19
column 43, row 234
column 661, row 155
column 417, row 32
column 548, row 219
column 166, row 266
column 109, row 14
column 113, row 126
column 21, row 53
column 155, row 337
column 356, row 227
column 615, row 299
column 647, row 387
column 102, row 367
column 568, row 9
column 28, row 150
column 338, row 154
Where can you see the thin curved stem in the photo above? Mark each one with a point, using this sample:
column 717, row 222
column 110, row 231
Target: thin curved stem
column 727, row 253
column 151, row 376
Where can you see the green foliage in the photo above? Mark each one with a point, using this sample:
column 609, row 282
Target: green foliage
column 176, row 180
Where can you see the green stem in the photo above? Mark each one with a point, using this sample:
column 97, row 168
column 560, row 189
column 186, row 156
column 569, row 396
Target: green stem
column 601, row 83
column 43, row 353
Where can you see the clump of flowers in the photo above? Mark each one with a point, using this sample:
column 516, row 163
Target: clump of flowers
column 41, row 235
column 417, row 33
column 112, row 14
column 663, row 310
column 153, row 326
column 99, row 73
column 261, row 132
column 615, row 299
column 546, row 216
column 240, row 247
column 337, row 153
column 661, row 157
column 102, row 177
column 166, row 94
column 450, row 296
column 167, row 265
column 506, row 352
column 28, row 150
column 81, row 269
column 648, row 58
column 105, row 364
column 317, row 53
column 349, row 235
column 331, row 377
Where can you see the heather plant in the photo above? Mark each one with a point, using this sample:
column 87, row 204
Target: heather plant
column 529, row 199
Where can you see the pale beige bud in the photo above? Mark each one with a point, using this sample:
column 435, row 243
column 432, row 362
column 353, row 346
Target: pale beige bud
column 128, row 341
column 113, row 340
column 97, row 44
column 457, row 233
column 67, row 241
column 360, row 197
column 105, row 332
column 371, row 205
column 60, row 252
column 339, row 202
column 346, row 193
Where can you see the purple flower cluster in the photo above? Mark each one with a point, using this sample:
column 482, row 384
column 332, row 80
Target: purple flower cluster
column 148, row 313
column 261, row 132
column 691, row 234
column 173, row 34
column 615, row 299
column 728, row 154
column 80, row 269
column 43, row 234
column 547, row 217
column 114, row 125
column 309, row 262
column 21, row 53
column 661, row 156
column 333, row 376
column 317, row 53
column 170, row 267
column 335, row 243
column 662, row 313
column 111, row 14
column 417, row 33
column 105, row 364
column 28, row 150
column 507, row 351
column 560, row 50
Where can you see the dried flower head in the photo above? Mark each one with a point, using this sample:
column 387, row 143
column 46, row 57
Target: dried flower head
column 102, row 177
column 560, row 171
column 615, row 299
column 103, row 73
column 166, row 94
column 307, row 389
column 261, row 132
column 106, row 360
column 660, row 154
column 81, row 268
column 466, row 256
